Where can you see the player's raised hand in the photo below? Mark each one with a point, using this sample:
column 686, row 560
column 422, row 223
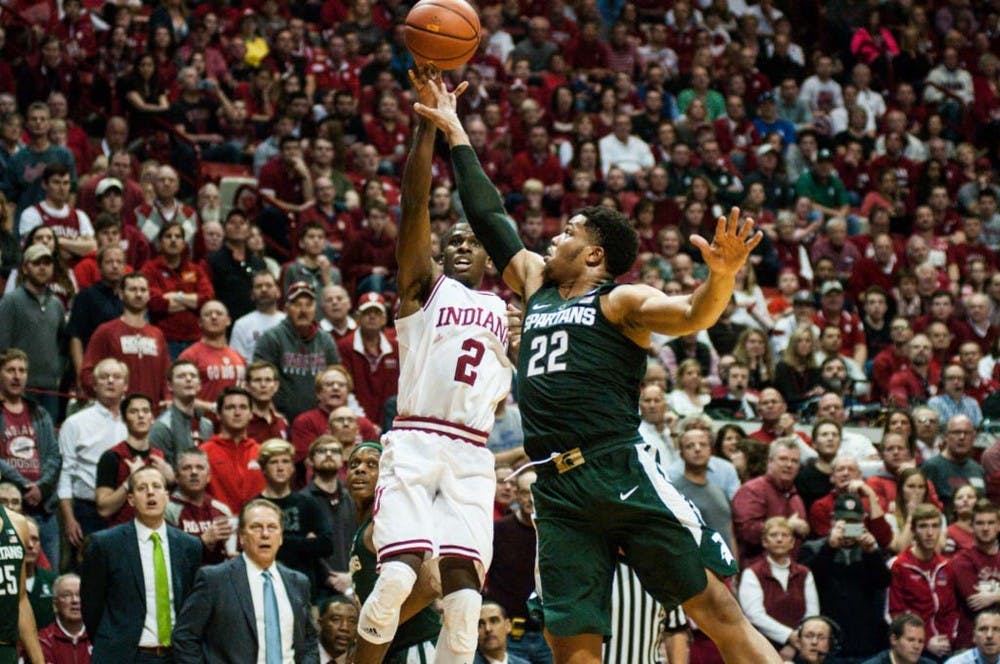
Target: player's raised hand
column 733, row 242
column 436, row 103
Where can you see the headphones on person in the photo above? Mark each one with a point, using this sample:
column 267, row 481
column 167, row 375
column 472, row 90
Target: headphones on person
column 836, row 634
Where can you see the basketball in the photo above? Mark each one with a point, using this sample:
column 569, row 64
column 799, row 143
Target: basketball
column 444, row 33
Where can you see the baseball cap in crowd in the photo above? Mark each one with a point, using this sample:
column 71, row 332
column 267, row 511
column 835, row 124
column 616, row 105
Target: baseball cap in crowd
column 36, row 252
column 804, row 297
column 767, row 95
column 848, row 508
column 369, row 300
column 824, row 155
column 832, row 286
column 298, row 289
column 107, row 184
column 764, row 149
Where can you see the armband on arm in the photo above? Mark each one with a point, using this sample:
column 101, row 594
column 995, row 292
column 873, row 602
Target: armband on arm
column 484, row 209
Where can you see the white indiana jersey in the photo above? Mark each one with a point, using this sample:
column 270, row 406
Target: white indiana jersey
column 453, row 358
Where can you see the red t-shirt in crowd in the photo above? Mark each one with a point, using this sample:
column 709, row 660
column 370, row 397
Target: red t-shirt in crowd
column 218, row 368
column 142, row 349
column 18, row 447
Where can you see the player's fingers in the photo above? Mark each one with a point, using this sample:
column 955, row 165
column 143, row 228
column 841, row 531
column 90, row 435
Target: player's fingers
column 462, row 87
column 755, row 240
column 734, row 220
column 746, row 228
column 720, row 226
column 413, row 77
column 423, row 111
column 701, row 242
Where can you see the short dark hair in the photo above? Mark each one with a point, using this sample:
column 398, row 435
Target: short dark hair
column 134, row 396
column 228, row 392
column 132, row 276
column 288, row 138
column 170, row 225
column 104, row 221
column 53, row 169
column 899, row 624
column 235, row 212
column 334, row 599
column 612, row 231
column 984, row 506
column 180, row 362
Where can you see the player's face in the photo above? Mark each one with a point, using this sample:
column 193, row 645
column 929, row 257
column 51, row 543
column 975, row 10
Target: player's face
column 338, row 627
column 279, row 469
column 13, row 379
column 192, row 473
column 362, row 474
column 463, row 257
column 566, row 249
column 149, row 494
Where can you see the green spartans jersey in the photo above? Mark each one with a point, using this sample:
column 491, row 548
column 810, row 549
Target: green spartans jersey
column 11, row 559
column 424, row 626
column 578, row 376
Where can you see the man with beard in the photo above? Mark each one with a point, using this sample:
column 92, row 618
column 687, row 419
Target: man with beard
column 131, row 339
column 308, row 534
column 326, row 456
column 300, row 350
column 917, row 381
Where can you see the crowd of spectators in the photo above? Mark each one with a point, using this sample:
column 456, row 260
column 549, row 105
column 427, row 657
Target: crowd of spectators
column 863, row 138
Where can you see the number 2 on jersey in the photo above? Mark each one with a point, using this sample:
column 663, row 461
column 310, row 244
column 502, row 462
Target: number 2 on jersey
column 547, row 352
column 465, row 368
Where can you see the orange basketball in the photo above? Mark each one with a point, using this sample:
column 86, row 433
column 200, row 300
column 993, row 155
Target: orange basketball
column 444, row 33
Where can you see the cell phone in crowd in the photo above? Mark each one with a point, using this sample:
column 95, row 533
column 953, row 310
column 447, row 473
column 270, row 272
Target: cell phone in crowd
column 854, row 530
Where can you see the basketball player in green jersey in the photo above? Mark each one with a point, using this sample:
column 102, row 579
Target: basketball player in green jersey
column 583, row 351
column 17, row 622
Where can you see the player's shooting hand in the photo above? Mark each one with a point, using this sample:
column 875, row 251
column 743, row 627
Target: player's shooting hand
column 442, row 110
column 420, row 77
column 733, row 242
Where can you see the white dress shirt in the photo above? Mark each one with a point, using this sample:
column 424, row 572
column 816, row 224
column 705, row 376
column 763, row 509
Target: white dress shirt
column 83, row 438
column 255, row 575
column 150, row 637
column 631, row 156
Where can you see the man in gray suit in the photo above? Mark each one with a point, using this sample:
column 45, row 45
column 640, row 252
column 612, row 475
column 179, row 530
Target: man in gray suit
column 135, row 577
column 250, row 604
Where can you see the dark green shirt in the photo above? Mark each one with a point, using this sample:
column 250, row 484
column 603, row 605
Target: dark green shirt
column 578, row 375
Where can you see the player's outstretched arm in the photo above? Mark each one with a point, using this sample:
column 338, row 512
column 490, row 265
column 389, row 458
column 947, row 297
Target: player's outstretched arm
column 521, row 269
column 645, row 309
column 413, row 246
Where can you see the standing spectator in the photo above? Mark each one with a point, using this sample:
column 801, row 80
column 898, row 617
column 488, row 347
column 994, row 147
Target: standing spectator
column 312, row 265
column 66, row 640
column 213, row 623
column 193, row 511
column 851, row 499
column 308, row 533
column 709, row 497
column 96, row 304
column 83, row 438
column 955, row 465
column 71, row 225
column 29, row 453
column 922, row 583
column 166, row 208
column 132, row 340
column 851, row 578
column 833, row 312
column 976, row 571
column 326, row 456
column 776, row 592
column 232, row 267
column 219, row 366
column 232, row 456
column 300, row 350
column 371, row 356
column 820, row 90
column 772, row 494
column 118, row 463
column 22, row 178
column 181, row 426
column 141, row 554
column 178, row 288
column 262, row 384
column 34, row 320
column 654, row 426
column 249, row 328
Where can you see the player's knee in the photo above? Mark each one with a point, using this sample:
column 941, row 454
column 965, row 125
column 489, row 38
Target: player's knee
column 461, row 615
column 380, row 615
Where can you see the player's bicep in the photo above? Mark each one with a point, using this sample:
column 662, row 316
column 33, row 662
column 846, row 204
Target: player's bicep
column 524, row 273
column 643, row 308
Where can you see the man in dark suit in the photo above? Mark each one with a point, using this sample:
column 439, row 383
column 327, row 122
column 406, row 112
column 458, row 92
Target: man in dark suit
column 136, row 576
column 250, row 604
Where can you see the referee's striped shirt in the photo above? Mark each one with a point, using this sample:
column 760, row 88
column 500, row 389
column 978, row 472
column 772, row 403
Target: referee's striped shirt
column 635, row 621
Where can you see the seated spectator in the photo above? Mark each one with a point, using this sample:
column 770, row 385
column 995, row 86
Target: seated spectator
column 852, row 501
column 249, row 328
column 338, row 628
column 776, row 592
column 906, row 642
column 986, row 645
column 166, row 208
column 892, row 358
column 897, row 456
column 312, row 265
column 66, row 639
column 494, row 632
column 955, row 465
column 918, row 380
column 688, row 398
column 770, row 495
column 753, row 348
column 70, row 224
column 922, row 583
column 369, row 260
column 852, row 443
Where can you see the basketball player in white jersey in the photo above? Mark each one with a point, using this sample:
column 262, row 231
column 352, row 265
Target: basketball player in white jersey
column 436, row 478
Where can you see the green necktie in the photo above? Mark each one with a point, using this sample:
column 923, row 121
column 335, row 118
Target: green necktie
column 162, row 592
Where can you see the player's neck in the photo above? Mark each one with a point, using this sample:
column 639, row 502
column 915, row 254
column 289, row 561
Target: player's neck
column 581, row 285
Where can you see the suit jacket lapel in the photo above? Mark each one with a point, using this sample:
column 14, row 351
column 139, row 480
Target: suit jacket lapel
column 130, row 550
column 238, row 577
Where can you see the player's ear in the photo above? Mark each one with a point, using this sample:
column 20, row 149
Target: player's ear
column 595, row 255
